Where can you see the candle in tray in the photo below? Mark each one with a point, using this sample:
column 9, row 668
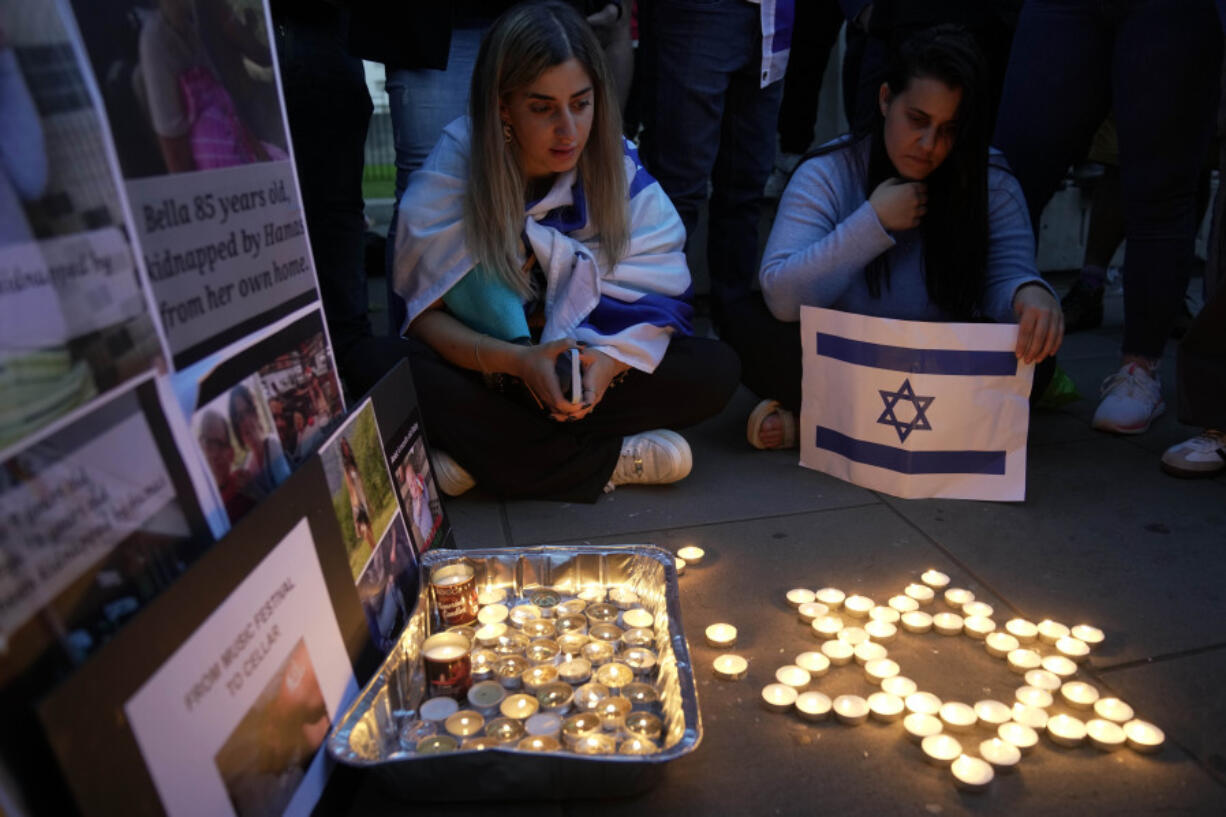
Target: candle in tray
column 1113, row 709
column 638, row 637
column 692, row 554
column 811, row 610
column 1033, row 696
column 858, row 606
column 778, row 697
column 882, row 632
column 571, row 607
column 638, row 617
column 602, row 613
column 1105, row 735
column 978, row 627
column 642, row 696
column 1000, row 644
column 869, row 651
column 1022, row 660
column 523, row 612
column 1091, row 635
column 543, row 651
column 1042, row 679
column 589, row 695
column 483, row 662
column 598, row 653
column 505, row 730
column 640, row 660
column 941, row 750
column 827, row 626
column 481, row 743
column 799, row 595
column 576, row 623
column 947, row 623
column 921, row 593
column 613, row 712
column 977, row 608
column 519, row 706
column 488, row 635
column 956, row 597
column 492, row 614
column 887, row 614
column 853, row 635
column 546, row 600
column 1024, row 631
column 1079, row 694
column 595, row 744
column 539, row 743
column 885, row 707
column 579, row 726
column 605, row 632
column 920, row 726
column 815, row 663
column 637, row 746
column 881, row 669
column 1065, row 730
column 916, row 621
column 957, row 716
column 544, row 724
column 491, row 595
column 536, row 677
column 1051, row 631
column 993, row 713
column 730, row 667
column 839, row 652
column 850, row 709
column 1031, row 716
column 615, row 675
column 465, row 724
column 438, row 709
column 540, row 628
column 935, row 579
column 509, row 669
column 1002, row 754
column 593, row 594
column 1019, row 734
column 645, row 725
column 721, row 636
column 437, row 745
column 924, row 703
column 903, row 604
column 1073, row 648
column 1143, row 736
column 813, row 705
column 486, row 697
column 793, row 676
column 1059, row 665
column 899, row 685
column 971, row 773
column 832, row 597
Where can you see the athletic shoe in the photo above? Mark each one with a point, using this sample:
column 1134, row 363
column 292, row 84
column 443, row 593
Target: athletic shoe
column 452, row 479
column 1083, row 307
column 1202, row 456
column 1132, row 398
column 652, row 458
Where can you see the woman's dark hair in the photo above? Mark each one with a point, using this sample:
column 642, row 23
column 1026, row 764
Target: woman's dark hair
column 955, row 227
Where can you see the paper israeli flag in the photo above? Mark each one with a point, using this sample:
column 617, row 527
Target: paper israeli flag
column 915, row 409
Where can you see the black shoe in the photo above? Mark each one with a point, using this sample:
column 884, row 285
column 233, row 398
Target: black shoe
column 1083, row 307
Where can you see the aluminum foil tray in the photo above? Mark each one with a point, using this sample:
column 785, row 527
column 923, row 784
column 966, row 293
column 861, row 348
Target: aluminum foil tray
column 367, row 735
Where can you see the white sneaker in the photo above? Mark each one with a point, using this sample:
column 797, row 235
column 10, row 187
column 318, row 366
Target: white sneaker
column 652, row 458
column 1202, row 456
column 1132, row 398
column 452, row 479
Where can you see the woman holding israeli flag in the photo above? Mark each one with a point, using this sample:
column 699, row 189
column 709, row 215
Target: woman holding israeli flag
column 533, row 230
column 913, row 219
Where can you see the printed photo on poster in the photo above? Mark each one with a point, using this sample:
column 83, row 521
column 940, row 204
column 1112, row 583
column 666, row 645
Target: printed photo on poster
column 418, row 491
column 388, row 586
column 74, row 322
column 96, row 519
column 362, row 495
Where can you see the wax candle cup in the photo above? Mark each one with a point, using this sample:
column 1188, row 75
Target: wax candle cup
column 1021, row 629
column 615, row 675
column 839, row 652
column 544, row 723
column 1113, row 709
column 1091, row 635
column 492, row 613
column 1002, row 754
column 571, row 607
column 1143, row 736
column 827, row 626
column 491, row 595
column 595, row 744
column 1073, row 648
column 1033, row 696
column 613, row 712
column 539, row 743
column 605, row 632
column 598, row 652
column 850, row 709
column 524, row 612
column 721, row 635
column 869, row 651
column 1105, row 735
column 813, row 705
column 589, row 695
column 924, row 703
column 935, row 579
column 571, row 644
column 885, row 707
column 637, row 746
column 957, row 716
column 920, row 726
column 510, row 643
column 505, row 730
column 1031, row 716
column 899, row 685
column 853, row 635
column 977, row 608
column 573, row 623
column 730, row 667
column 955, row 597
column 793, row 676
column 1051, row 631
column 921, row 593
column 692, row 554
column 601, row 613
column 880, row 669
column 1018, row 734
column 1059, row 665
column 645, row 725
column 465, row 724
column 811, row 610
column 916, row 621
column 947, row 623
column 579, row 726
column 637, row 617
column 679, row 563
column 971, row 773
column 547, row 600
column 832, row 597
column 480, row 744
column 778, row 697
column 941, row 750
column 437, row 709
column 858, row 606
column 799, row 595
column 1021, row 660
column 640, row 660
column 1000, row 644
column 887, row 614
column 1079, row 694
column 978, row 627
column 540, row 628
column 593, row 594
column 903, row 604
column 638, row 637
column 437, row 745
column 488, row 634
column 519, row 706
column 536, row 677
column 1065, row 730
column 882, row 632
column 510, row 669
column 993, row 713
column 1042, row 679
column 814, row 663
column 486, row 696
column 557, row 697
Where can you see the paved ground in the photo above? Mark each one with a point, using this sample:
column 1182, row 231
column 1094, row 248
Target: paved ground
column 1103, row 537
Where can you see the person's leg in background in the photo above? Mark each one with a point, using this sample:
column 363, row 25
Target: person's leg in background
column 814, row 34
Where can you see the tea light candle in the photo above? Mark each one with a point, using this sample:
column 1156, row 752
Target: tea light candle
column 544, row 724
column 1042, row 679
column 1143, row 736
column 793, row 676
column 1059, row 665
column 692, row 554
column 573, row 623
column 977, row 608
column 482, row 664
column 638, row 637
column 993, row 713
column 601, row 613
column 941, row 750
column 858, row 606
column 916, row 621
column 955, row 597
column 570, row 607
column 1022, row 660
column 1018, row 734
column 1113, row 709
column 577, row 727
column 644, row 725
column 539, row 743
column 437, row 745
column 947, row 623
column 637, row 746
column 978, row 627
column 679, row 564
column 813, row 663
column 1073, row 648
column 1065, row 730
column 593, row 594
column 510, row 643
column 971, row 773
column 1092, row 636
column 612, row 712
column 811, row 610
column 721, row 635
column 536, row 677
column 523, row 612
column 1079, row 694
column 999, row 644
column 920, row 726
column 887, row 614
column 505, row 730
column 542, row 651
column 1030, row 716
column 1051, row 631
column 437, row 710
column 882, row 632
column 642, row 696
column 885, row 707
column 730, row 667
column 850, row 709
column 1033, row 696
column 598, row 652
column 839, row 652
column 1106, row 736
column 923, row 703
column 813, row 705
column 799, row 595
column 491, row 595
column 486, row 696
column 778, row 697
column 903, row 604
column 832, row 597
column 880, row 669
column 488, row 635
column 465, row 724
column 638, row 617
column 595, row 744
column 935, row 579
column 869, row 651
column 1024, row 631
column 640, row 660
column 545, row 599
column 605, row 632
column 492, row 614
column 589, row 695
column 519, row 706
column 920, row 593
column 614, row 675
column 1002, row 754
column 540, row 628
column 827, row 626
column 957, row 716
column 480, row 744
column 571, row 644
column 853, row 635
column 899, row 685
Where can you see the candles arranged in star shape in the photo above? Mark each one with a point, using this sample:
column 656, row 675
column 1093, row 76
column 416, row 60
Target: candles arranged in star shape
column 1046, row 654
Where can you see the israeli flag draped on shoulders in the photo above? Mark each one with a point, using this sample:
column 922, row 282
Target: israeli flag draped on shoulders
column 629, row 311
column 915, row 409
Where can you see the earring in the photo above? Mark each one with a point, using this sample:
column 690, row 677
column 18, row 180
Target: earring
column 506, row 132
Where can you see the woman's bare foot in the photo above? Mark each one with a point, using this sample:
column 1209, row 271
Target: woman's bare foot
column 770, row 433
column 770, row 426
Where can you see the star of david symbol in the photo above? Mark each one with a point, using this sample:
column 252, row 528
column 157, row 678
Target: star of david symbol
column 905, row 394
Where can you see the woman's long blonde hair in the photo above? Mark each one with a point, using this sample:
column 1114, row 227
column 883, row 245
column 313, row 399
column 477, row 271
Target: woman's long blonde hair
column 522, row 44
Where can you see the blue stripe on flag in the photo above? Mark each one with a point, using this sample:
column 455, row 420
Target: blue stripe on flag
column 916, row 361
column 911, row 462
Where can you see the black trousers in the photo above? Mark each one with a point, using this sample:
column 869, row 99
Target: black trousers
column 814, row 33
column 512, row 448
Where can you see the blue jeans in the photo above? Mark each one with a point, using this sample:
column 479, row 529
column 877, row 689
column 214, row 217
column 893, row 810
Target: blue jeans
column 707, row 118
column 1152, row 62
